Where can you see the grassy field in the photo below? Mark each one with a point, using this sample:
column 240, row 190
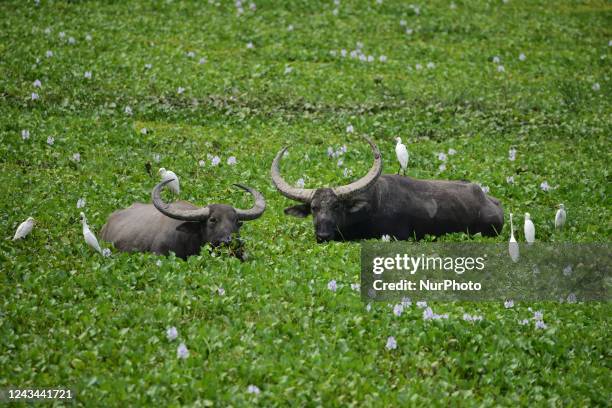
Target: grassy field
column 205, row 79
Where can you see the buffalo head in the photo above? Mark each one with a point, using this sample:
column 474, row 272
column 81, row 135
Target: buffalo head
column 217, row 224
column 332, row 208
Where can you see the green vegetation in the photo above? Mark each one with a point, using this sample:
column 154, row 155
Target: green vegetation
column 71, row 318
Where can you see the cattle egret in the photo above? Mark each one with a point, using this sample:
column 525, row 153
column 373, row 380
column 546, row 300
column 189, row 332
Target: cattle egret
column 513, row 247
column 560, row 217
column 90, row 238
column 169, row 175
column 24, row 229
column 402, row 155
column 529, row 229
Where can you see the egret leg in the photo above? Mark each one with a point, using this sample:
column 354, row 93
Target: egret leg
column 398, row 169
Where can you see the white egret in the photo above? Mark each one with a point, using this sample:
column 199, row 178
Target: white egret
column 402, row 155
column 529, row 229
column 24, row 229
column 90, row 238
column 560, row 217
column 169, row 175
column 513, row 247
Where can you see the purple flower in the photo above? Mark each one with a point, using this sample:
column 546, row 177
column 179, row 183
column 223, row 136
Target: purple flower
column 428, row 314
column 253, row 389
column 250, row 46
column 539, row 324
column 509, row 304
column 340, row 162
column 355, row 286
column 512, row 154
column 128, row 110
column 538, row 315
column 202, row 163
column 522, row 57
column 421, row 304
column 524, row 322
column 300, row 183
column 567, row 271
column 484, row 189
column 231, row 161
column 50, row 140
column 442, row 167
column 391, row 343
column 406, row 302
column 35, row 96
column 398, row 309
column 106, row 252
column 191, row 54
column 452, row 151
column 87, row 75
column 331, row 285
column 49, row 53
column 202, row 61
column 510, row 179
column 330, row 152
column 81, row 203
column 25, row 134
column 182, row 352
column 172, row 333
column 545, row 186
column 350, row 129
column 76, row 157
column 382, row 58
column 215, row 161
column 442, row 156
column 221, row 291
column 469, row 318
column 37, row 84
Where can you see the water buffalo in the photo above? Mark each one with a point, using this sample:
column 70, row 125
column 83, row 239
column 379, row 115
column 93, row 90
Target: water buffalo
column 179, row 227
column 399, row 206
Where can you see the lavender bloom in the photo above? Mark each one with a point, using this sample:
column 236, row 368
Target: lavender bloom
column 509, row 304
column 382, row 58
column 512, row 154
column 391, row 343
column 539, row 324
column 340, row 162
column 172, row 333
column 524, row 322
column 330, row 151
column 106, row 252
column 545, row 186
column 231, row 160
column 349, row 129
column 182, row 352
column 332, row 285
column 25, row 134
column 202, row 61
column 538, row 315
column 442, row 167
column 50, row 140
column 221, row 291
column 35, row 96
column 80, row 203
column 87, row 75
column 442, row 156
column 215, row 161
column 522, row 57
column 76, row 157
column 355, row 286
column 250, row 46
column 421, row 304
column 398, row 309
column 428, row 314
column 485, row 189
column 406, row 302
column 510, row 179
column 300, row 183
column 49, row 53
column 567, row 271
column 452, row 151
column 37, row 84
column 253, row 389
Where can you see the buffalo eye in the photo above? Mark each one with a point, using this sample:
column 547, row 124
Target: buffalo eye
column 212, row 220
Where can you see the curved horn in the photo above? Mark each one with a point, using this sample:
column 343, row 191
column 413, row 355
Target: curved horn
column 366, row 181
column 171, row 211
column 258, row 208
column 298, row 194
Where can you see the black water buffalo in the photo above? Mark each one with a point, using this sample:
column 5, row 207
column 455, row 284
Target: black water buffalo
column 398, row 206
column 179, row 227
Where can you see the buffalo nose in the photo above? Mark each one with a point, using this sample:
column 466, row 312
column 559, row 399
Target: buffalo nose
column 324, row 236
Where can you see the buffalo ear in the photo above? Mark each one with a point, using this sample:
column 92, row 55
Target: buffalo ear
column 358, row 206
column 189, row 227
column 300, row 210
